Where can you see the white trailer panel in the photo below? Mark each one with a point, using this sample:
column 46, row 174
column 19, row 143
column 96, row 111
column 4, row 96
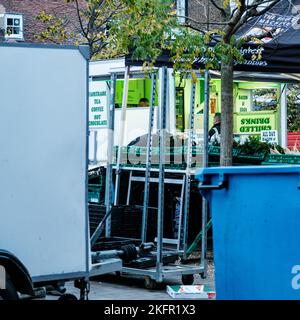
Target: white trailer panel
column 43, row 159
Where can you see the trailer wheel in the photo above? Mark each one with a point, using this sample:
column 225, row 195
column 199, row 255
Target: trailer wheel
column 10, row 293
column 203, row 275
column 150, row 284
column 187, row 279
column 67, row 297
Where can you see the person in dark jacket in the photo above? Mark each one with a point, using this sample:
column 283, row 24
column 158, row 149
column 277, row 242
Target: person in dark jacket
column 214, row 134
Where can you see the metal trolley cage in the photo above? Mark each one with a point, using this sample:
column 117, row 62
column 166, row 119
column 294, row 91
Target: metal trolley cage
column 160, row 271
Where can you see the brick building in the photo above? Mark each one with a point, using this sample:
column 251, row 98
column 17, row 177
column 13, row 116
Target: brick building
column 206, row 12
column 199, row 12
column 18, row 17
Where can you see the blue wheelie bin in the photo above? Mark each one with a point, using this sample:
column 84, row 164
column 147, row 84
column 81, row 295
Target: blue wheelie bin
column 256, row 230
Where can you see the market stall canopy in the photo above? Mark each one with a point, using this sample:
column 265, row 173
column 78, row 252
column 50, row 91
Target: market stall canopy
column 261, row 76
column 278, row 51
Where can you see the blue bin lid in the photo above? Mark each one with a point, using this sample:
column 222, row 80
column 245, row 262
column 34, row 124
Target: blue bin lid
column 246, row 170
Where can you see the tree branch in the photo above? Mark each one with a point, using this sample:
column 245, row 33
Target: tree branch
column 222, row 10
column 229, row 30
column 80, row 20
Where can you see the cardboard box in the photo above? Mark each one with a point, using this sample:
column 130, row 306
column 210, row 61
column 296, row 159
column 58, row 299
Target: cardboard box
column 191, row 292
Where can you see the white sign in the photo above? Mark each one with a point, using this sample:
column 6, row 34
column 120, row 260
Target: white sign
column 98, row 105
column 269, row 136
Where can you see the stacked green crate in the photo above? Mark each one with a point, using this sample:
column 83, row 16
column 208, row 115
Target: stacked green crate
column 239, row 157
column 96, row 190
column 278, row 159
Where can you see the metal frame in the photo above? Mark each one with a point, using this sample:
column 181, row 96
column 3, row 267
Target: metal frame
column 203, row 260
column 148, row 161
column 175, row 181
column 159, row 272
column 111, row 128
column 109, row 170
column 283, row 115
column 161, row 188
column 188, row 169
column 121, row 136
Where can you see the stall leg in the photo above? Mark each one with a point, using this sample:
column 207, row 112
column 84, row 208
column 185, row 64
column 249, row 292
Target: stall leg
column 121, row 135
column 111, row 127
column 203, row 261
column 148, row 160
column 188, row 172
column 161, row 190
column 84, row 286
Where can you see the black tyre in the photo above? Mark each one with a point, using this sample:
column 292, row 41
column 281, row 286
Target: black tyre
column 187, row 279
column 10, row 293
column 150, row 284
column 203, row 275
column 67, row 297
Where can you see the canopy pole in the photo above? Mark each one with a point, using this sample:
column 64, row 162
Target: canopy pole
column 203, row 261
column 161, row 189
column 95, row 146
column 111, row 128
column 206, row 118
column 148, row 159
column 283, row 115
column 171, row 105
column 121, row 134
column 188, row 168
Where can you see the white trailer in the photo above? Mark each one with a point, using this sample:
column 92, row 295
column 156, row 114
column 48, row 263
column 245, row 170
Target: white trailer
column 44, row 229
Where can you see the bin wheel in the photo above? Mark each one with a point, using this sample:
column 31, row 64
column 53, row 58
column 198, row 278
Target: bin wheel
column 150, row 284
column 67, row 297
column 203, row 275
column 10, row 293
column 187, row 279
column 118, row 274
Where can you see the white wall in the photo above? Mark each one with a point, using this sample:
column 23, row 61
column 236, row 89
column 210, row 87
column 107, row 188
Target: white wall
column 137, row 121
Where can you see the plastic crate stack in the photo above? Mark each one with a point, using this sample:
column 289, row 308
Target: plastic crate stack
column 282, row 159
column 96, row 186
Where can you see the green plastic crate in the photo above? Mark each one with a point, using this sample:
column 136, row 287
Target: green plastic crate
column 275, row 159
column 216, row 150
column 95, row 193
column 256, row 158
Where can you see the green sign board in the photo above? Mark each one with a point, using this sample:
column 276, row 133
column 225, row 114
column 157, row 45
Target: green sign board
column 254, row 122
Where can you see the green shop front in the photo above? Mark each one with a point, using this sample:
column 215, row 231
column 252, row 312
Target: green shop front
column 257, row 105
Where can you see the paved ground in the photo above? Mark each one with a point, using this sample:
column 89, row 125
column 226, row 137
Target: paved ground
column 127, row 287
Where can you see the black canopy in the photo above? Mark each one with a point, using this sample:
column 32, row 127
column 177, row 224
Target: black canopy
column 278, row 52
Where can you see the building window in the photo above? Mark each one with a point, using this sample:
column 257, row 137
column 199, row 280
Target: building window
column 13, row 24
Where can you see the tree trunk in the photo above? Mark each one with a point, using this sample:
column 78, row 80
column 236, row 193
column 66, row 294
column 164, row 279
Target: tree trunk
column 227, row 113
